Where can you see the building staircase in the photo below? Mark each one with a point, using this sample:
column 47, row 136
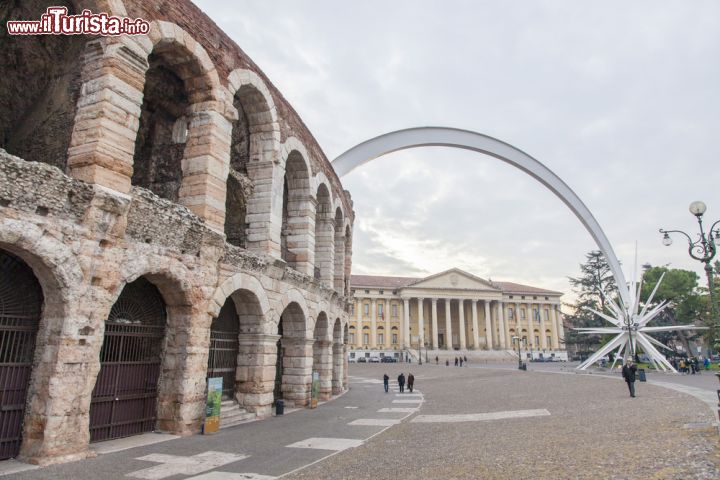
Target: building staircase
column 231, row 413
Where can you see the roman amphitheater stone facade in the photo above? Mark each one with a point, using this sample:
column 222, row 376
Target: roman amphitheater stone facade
column 157, row 184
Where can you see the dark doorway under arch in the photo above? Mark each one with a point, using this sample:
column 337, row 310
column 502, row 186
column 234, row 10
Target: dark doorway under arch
column 21, row 301
column 124, row 401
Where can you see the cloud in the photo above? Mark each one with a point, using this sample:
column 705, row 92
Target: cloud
column 619, row 99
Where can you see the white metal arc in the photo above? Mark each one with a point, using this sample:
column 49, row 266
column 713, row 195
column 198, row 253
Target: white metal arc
column 468, row 140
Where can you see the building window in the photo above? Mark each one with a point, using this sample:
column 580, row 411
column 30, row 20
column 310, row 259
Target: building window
column 522, row 314
column 510, row 313
column 547, row 339
column 522, row 297
column 367, row 309
column 536, row 315
column 534, row 298
column 382, row 292
column 380, row 339
column 352, row 338
column 537, row 341
column 547, row 298
column 394, row 310
column 366, row 338
column 367, row 291
column 394, row 338
column 380, row 309
column 511, row 297
column 547, row 314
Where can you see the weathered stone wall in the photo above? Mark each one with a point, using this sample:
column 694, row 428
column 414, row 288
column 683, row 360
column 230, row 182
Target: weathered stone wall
column 106, row 239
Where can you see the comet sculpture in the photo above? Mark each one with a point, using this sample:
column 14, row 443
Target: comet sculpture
column 630, row 326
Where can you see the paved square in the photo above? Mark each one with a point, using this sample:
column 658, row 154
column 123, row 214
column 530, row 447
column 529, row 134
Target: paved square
column 479, row 417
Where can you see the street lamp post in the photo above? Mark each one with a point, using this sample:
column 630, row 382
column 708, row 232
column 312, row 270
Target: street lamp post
column 703, row 249
column 517, row 340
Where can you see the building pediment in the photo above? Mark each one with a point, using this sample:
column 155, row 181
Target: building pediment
column 454, row 279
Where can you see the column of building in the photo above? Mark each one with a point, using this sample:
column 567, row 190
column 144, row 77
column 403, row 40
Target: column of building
column 358, row 323
column 502, row 326
column 476, row 333
column 373, row 323
column 461, row 322
column 543, row 339
column 434, row 324
column 488, row 326
column 448, row 326
column 406, row 323
column 421, row 321
column 387, row 338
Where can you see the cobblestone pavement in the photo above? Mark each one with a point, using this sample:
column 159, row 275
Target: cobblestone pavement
column 462, row 423
column 594, row 430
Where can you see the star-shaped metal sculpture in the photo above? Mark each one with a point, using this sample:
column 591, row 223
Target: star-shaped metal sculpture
column 630, row 325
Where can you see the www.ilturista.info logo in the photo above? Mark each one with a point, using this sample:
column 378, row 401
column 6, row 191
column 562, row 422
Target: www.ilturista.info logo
column 56, row 21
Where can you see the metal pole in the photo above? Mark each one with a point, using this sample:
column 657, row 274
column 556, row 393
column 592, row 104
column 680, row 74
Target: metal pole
column 713, row 305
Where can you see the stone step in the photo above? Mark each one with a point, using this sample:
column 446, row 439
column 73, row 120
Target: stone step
column 236, row 419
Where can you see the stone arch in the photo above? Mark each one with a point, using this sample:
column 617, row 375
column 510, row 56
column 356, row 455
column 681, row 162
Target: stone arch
column 254, row 148
column 185, row 344
column 39, row 91
column 324, row 236
column 339, row 260
column 297, row 245
column 295, row 355
column 241, row 281
column 62, row 282
column 468, row 140
column 180, row 151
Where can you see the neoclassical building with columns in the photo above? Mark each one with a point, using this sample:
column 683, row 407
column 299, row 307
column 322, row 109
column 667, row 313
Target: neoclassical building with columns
column 165, row 217
column 453, row 310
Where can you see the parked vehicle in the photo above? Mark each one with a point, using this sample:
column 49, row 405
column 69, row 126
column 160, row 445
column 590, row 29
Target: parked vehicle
column 388, row 360
column 374, row 360
column 362, row 360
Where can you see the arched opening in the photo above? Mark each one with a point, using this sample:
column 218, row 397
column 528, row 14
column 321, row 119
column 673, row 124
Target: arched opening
column 124, row 400
column 365, row 336
column 252, row 110
column 39, row 86
column 339, row 282
column 324, row 237
column 353, row 335
column 322, row 355
column 21, row 307
column 162, row 135
column 394, row 340
column 295, row 209
column 293, row 369
column 224, row 346
column 380, row 340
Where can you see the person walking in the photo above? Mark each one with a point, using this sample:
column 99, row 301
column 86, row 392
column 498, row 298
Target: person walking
column 465, row 360
column 461, row 360
column 437, row 360
column 447, row 362
column 386, row 382
column 411, row 381
column 456, row 361
column 401, row 382
column 628, row 373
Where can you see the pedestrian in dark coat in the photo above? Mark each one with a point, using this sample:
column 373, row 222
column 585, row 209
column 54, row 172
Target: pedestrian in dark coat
column 628, row 373
column 411, row 381
column 436, row 360
column 461, row 360
column 386, row 382
column 401, row 382
column 456, row 361
column 465, row 361
column 447, row 363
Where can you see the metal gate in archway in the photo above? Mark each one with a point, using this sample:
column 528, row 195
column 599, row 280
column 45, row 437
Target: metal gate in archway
column 224, row 346
column 124, row 401
column 21, row 301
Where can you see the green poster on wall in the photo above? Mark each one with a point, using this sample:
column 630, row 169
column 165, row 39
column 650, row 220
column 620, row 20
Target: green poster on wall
column 212, row 406
column 315, row 392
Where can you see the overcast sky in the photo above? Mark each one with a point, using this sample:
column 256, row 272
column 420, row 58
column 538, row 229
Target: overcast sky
column 620, row 99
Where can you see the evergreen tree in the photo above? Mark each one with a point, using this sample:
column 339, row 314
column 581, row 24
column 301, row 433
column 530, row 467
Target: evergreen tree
column 595, row 283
